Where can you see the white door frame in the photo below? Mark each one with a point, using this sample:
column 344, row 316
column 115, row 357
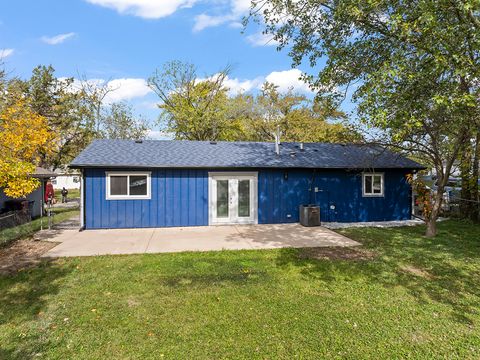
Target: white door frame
column 233, row 198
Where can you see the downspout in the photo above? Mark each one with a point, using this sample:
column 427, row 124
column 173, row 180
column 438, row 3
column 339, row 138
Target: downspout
column 82, row 201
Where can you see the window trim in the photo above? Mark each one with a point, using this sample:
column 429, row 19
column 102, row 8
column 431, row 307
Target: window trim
column 148, row 174
column 382, row 184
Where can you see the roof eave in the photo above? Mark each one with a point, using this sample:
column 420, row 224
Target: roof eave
column 110, row 166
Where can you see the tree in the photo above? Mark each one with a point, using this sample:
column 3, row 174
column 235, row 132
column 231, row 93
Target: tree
column 299, row 118
column 192, row 108
column 23, row 136
column 119, row 123
column 69, row 111
column 469, row 172
column 416, row 65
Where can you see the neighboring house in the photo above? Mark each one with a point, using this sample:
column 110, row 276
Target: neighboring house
column 66, row 180
column 157, row 183
column 36, row 198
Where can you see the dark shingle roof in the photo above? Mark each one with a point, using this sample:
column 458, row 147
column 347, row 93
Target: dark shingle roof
column 41, row 173
column 223, row 154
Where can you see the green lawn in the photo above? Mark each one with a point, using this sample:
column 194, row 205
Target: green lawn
column 72, row 194
column 418, row 298
column 28, row 229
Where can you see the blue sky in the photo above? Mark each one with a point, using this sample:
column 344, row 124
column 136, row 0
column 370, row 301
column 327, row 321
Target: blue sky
column 124, row 41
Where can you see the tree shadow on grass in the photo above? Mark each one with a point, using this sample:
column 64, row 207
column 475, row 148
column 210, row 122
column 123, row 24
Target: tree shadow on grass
column 24, row 298
column 445, row 269
column 222, row 269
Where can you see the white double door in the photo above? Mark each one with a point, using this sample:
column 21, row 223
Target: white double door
column 233, row 198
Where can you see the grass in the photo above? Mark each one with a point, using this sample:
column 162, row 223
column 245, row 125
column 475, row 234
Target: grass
column 418, row 298
column 72, row 194
column 21, row 231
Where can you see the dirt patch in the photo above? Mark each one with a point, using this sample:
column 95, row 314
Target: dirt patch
column 22, row 254
column 336, row 253
column 410, row 269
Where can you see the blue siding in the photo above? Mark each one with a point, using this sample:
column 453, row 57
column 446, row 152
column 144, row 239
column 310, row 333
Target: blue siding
column 280, row 197
column 180, row 198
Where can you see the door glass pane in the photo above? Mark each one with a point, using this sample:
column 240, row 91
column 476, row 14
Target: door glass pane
column 118, row 185
column 222, row 198
column 138, row 185
column 244, row 198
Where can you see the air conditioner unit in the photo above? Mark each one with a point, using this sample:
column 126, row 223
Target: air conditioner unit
column 310, row 215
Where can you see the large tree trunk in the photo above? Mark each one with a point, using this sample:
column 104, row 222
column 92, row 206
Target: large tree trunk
column 431, row 220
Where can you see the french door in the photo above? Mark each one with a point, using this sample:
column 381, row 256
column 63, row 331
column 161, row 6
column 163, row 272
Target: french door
column 233, row 198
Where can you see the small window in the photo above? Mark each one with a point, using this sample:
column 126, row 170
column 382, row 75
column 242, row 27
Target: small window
column 125, row 186
column 373, row 184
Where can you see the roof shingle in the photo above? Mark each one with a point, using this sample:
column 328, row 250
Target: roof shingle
column 223, row 154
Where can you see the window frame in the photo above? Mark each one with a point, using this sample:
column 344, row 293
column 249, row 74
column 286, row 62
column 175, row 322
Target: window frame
column 109, row 174
column 382, row 184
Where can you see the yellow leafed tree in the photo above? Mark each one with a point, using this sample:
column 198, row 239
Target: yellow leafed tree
column 23, row 135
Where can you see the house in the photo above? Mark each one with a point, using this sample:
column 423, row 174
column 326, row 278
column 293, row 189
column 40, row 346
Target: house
column 35, row 199
column 67, row 180
column 161, row 183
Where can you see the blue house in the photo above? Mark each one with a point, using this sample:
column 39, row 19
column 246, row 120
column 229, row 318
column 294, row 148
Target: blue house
column 154, row 183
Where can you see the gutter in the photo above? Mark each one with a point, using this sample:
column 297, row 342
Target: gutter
column 82, row 200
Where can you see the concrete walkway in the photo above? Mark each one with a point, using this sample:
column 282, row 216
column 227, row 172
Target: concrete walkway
column 205, row 238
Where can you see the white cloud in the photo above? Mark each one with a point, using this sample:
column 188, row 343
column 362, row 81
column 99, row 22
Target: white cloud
column 148, row 9
column 158, row 135
column 236, row 85
column 241, row 6
column 204, row 21
column 288, row 79
column 127, row 89
column 231, row 14
column 120, row 89
column 4, row 53
column 57, row 39
column 284, row 80
column 261, row 39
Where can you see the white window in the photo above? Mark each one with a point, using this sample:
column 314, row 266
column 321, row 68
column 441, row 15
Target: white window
column 128, row 186
column 373, row 184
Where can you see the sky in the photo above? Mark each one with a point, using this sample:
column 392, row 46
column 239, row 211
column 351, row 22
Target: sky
column 122, row 42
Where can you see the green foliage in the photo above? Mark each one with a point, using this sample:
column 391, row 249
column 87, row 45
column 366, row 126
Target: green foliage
column 119, row 122
column 192, row 109
column 298, row 118
column 415, row 298
column 416, row 65
column 196, row 109
column 68, row 111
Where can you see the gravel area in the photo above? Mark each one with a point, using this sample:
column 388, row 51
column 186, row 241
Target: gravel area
column 380, row 224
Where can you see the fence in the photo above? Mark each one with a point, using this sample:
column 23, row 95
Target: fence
column 14, row 218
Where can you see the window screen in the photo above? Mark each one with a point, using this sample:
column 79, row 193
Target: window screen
column 118, row 185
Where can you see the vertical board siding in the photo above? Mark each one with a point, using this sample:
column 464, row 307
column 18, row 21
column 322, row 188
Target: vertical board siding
column 279, row 198
column 179, row 197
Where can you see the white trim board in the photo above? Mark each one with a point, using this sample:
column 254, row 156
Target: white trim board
column 382, row 184
column 148, row 196
column 233, row 177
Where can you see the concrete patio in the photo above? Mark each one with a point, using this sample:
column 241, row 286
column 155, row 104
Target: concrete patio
column 205, row 238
